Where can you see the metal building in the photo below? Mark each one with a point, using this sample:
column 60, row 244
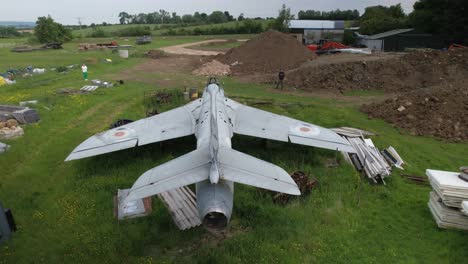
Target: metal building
column 312, row 31
column 399, row 40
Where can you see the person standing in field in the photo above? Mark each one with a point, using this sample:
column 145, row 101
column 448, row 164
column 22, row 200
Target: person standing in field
column 281, row 76
column 84, row 69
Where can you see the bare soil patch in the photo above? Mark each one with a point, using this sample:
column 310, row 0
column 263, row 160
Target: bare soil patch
column 441, row 111
column 267, row 53
column 419, row 69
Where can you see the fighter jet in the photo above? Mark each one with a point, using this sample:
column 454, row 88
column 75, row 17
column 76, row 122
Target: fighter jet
column 214, row 166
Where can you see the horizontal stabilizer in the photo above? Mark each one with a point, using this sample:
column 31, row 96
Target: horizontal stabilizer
column 187, row 169
column 242, row 168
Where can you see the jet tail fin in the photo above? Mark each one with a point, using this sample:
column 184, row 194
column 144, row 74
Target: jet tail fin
column 241, row 168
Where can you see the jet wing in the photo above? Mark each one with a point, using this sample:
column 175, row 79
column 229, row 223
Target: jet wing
column 250, row 121
column 175, row 123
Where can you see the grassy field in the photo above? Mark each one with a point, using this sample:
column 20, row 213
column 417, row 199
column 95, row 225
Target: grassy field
column 64, row 210
column 155, row 29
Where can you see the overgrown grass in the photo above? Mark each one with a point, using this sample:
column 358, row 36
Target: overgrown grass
column 64, row 210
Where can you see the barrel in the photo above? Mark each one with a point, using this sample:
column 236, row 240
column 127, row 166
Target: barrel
column 123, row 54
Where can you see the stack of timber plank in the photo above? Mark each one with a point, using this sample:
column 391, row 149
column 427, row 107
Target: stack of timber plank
column 375, row 164
column 446, row 201
column 182, row 204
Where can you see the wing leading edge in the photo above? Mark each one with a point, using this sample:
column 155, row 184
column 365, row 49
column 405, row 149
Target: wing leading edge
column 258, row 123
column 175, row 123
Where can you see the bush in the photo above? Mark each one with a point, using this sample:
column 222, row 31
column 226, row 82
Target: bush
column 8, row 32
column 245, row 27
column 98, row 33
column 61, row 69
column 134, row 31
column 47, row 30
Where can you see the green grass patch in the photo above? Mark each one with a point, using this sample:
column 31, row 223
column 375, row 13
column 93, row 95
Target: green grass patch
column 64, row 210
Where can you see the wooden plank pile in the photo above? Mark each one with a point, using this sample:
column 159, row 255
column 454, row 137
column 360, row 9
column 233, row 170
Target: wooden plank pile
column 375, row 164
column 182, row 204
column 447, row 201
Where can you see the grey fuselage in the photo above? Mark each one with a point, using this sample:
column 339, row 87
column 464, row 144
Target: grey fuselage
column 213, row 130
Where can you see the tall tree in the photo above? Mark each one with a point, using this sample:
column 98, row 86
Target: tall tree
column 229, row 16
column 329, row 15
column 47, row 30
column 446, row 18
column 124, row 17
column 378, row 19
column 281, row 23
column 217, row 17
column 165, row 16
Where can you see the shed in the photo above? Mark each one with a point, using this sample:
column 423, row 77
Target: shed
column 312, row 31
column 399, row 40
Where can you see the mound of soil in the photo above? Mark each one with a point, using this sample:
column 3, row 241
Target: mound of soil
column 268, row 53
column 418, row 69
column 441, row 111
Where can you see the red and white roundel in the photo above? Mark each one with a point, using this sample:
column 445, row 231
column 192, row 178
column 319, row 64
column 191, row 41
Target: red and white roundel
column 118, row 134
column 305, row 130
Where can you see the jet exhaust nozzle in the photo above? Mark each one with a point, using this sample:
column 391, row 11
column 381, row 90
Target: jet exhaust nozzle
column 214, row 202
column 215, row 221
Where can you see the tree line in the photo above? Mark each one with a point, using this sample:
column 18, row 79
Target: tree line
column 328, row 15
column 429, row 16
column 446, row 19
column 165, row 17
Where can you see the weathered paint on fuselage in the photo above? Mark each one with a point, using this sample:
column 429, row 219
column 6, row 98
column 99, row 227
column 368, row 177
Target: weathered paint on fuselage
column 213, row 130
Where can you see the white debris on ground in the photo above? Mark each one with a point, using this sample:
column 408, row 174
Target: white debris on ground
column 89, row 88
column 376, row 164
column 3, row 147
column 213, row 68
column 28, row 102
column 448, row 200
column 102, row 83
column 38, row 71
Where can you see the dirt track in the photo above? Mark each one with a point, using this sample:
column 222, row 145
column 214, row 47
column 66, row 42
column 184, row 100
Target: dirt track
column 182, row 48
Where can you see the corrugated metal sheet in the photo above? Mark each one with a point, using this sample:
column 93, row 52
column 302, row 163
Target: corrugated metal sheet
column 316, row 24
column 389, row 33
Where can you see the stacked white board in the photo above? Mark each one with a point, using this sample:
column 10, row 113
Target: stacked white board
column 449, row 187
column 446, row 201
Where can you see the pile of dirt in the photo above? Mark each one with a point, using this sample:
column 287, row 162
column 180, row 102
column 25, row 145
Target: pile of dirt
column 267, row 53
column 440, row 111
column 418, row 69
column 213, row 68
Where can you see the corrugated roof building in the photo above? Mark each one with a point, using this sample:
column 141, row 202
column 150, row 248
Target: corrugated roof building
column 399, row 40
column 312, row 31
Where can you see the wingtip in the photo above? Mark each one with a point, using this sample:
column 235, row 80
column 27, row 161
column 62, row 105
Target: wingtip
column 71, row 157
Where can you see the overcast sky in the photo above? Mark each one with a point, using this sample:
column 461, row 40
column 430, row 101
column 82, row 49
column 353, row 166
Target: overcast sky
column 98, row 11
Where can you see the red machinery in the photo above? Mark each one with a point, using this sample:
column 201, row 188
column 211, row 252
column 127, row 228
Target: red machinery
column 326, row 46
column 456, row 46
